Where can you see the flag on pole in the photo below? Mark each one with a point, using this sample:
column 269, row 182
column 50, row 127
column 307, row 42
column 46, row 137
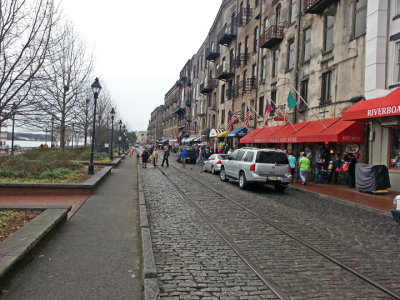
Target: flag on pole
column 267, row 110
column 248, row 115
column 231, row 121
column 291, row 102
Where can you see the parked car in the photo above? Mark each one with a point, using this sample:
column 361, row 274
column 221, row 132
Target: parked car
column 396, row 209
column 191, row 157
column 253, row 165
column 214, row 162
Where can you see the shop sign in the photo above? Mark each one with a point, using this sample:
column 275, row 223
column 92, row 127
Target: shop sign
column 352, row 148
column 383, row 111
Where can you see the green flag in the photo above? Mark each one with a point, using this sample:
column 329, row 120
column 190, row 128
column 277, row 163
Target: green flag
column 291, row 102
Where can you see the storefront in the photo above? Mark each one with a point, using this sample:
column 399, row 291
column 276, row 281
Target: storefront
column 383, row 117
column 235, row 135
column 335, row 135
column 214, row 137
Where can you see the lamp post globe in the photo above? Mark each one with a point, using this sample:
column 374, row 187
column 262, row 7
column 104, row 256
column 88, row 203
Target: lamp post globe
column 96, row 88
column 112, row 133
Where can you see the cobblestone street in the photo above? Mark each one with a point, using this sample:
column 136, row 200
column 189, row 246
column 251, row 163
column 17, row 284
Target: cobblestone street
column 194, row 262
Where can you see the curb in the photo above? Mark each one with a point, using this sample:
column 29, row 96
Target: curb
column 15, row 247
column 371, row 209
column 149, row 273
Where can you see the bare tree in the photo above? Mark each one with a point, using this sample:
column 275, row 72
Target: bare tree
column 64, row 79
column 25, row 33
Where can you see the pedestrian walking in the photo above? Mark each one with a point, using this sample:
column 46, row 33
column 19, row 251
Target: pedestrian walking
column 335, row 169
column 165, row 157
column 154, row 156
column 304, row 164
column 202, row 153
column 292, row 164
column 184, row 155
column 319, row 168
column 145, row 158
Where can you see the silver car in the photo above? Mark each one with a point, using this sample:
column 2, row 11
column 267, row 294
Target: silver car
column 213, row 163
column 252, row 165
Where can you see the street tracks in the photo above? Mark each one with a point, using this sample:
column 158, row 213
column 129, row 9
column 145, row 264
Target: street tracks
column 305, row 274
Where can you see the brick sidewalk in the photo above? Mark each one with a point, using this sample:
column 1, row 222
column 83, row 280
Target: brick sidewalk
column 382, row 201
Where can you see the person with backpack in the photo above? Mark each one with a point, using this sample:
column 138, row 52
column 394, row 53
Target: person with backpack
column 145, row 158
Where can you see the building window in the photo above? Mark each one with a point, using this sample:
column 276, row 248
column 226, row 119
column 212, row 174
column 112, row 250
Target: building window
column 278, row 15
column 255, row 43
column 264, row 69
column 253, row 75
column 292, row 11
column 290, row 55
column 243, row 110
column 261, row 106
column 246, row 49
column 304, row 93
column 257, row 3
column 395, row 148
column 244, row 81
column 397, row 7
column 275, row 58
column 397, row 64
column 329, row 21
column 360, row 17
column 223, row 93
column 307, row 44
column 266, row 23
column 273, row 101
column 223, row 116
column 326, row 88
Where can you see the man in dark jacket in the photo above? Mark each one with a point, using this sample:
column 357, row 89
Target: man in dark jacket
column 145, row 158
column 352, row 170
column 165, row 157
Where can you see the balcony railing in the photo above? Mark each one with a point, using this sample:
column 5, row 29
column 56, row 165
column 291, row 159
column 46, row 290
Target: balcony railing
column 211, row 84
column 226, row 35
column 181, row 123
column 211, row 54
column 224, row 73
column 316, row 6
column 244, row 16
column 271, row 37
column 242, row 59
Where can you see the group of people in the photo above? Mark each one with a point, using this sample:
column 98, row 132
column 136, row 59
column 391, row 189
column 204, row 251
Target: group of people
column 324, row 168
column 154, row 155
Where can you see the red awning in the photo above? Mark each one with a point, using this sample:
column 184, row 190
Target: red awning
column 247, row 139
column 327, row 130
column 375, row 108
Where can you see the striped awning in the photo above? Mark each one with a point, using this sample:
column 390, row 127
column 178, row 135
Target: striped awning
column 214, row 132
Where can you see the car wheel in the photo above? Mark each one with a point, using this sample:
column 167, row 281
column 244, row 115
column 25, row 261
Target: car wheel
column 242, row 181
column 212, row 170
column 204, row 168
column 280, row 188
column 222, row 175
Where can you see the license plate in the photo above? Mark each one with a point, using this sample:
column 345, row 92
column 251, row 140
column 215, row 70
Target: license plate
column 272, row 178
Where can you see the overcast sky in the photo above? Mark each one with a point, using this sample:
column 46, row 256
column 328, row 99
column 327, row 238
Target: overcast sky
column 140, row 46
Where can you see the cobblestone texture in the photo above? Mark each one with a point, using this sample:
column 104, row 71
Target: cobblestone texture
column 364, row 240
column 192, row 261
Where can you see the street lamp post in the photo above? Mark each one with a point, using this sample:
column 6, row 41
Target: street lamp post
column 73, row 132
column 52, row 131
column 14, row 107
column 119, row 138
column 123, row 139
column 96, row 88
column 112, row 133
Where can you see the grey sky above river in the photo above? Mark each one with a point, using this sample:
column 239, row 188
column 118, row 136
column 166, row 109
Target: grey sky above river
column 140, row 46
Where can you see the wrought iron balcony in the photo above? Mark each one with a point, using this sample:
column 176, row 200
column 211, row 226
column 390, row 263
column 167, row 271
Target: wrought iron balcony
column 211, row 54
column 242, row 59
column 226, row 35
column 271, row 37
column 211, row 84
column 244, row 16
column 224, row 73
column 181, row 123
column 316, row 6
column 188, row 102
column 230, row 93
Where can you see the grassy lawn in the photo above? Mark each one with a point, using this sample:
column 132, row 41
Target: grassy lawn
column 47, row 166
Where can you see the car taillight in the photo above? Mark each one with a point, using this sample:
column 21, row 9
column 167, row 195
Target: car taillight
column 253, row 168
column 219, row 162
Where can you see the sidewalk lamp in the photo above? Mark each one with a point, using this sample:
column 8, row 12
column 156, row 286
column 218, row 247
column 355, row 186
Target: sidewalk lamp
column 14, row 108
column 123, row 139
column 96, row 88
column 112, row 133
column 119, row 138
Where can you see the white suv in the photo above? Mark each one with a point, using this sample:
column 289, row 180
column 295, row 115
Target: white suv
column 253, row 165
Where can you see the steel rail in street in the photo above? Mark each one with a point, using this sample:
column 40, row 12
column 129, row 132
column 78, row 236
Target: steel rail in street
column 301, row 241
